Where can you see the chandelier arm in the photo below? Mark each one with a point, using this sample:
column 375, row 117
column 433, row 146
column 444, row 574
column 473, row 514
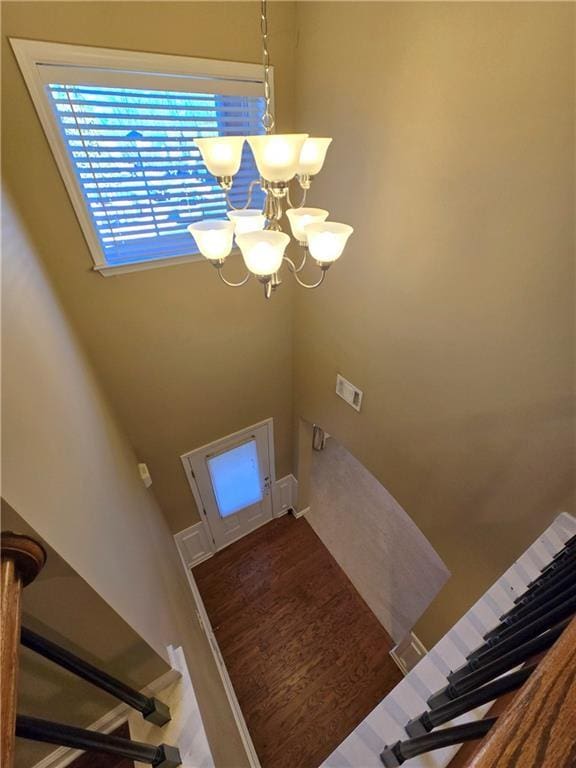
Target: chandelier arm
column 312, row 285
column 299, row 269
column 230, row 284
column 302, row 199
column 294, row 271
column 248, row 201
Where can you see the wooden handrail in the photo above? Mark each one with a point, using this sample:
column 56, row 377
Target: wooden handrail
column 22, row 560
column 538, row 730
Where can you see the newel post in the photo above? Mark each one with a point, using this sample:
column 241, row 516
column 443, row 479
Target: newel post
column 22, row 560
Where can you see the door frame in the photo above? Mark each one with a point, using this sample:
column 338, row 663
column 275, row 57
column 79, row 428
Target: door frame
column 213, row 446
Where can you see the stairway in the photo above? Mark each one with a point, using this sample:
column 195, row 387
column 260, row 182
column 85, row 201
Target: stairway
column 386, row 724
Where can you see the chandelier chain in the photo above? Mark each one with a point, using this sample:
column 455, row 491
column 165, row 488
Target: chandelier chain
column 267, row 117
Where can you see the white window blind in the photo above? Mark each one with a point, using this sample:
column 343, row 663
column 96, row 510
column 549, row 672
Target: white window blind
column 121, row 126
column 132, row 153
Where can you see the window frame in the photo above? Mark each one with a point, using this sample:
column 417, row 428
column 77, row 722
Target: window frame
column 32, row 55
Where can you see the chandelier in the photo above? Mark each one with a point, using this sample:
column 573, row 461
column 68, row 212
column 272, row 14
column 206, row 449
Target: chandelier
column 258, row 233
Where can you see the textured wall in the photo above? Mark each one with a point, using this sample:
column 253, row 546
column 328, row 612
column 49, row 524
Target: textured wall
column 383, row 553
column 453, row 307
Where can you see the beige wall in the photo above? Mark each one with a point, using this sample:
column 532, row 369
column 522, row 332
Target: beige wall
column 453, row 307
column 70, row 473
column 183, row 359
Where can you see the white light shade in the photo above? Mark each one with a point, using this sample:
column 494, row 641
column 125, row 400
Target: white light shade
column 299, row 218
column 263, row 251
column 326, row 241
column 248, row 220
column 213, row 238
column 312, row 156
column 222, row 155
column 277, row 155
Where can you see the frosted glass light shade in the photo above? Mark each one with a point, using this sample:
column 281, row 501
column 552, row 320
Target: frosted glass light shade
column 299, row 218
column 277, row 155
column 222, row 155
column 263, row 251
column 326, row 241
column 312, row 156
column 249, row 220
column 213, row 238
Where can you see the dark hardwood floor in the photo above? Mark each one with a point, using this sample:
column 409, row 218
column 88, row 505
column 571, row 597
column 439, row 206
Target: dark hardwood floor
column 307, row 657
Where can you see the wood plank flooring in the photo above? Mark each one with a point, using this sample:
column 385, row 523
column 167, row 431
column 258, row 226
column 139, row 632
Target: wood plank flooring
column 307, row 657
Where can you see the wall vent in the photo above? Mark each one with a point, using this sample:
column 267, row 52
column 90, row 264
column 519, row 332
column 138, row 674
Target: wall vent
column 348, row 392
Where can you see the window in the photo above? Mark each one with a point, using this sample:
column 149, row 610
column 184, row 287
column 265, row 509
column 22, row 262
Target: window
column 235, row 477
column 121, row 126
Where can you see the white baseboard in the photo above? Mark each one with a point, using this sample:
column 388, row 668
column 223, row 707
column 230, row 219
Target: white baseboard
column 221, row 666
column 108, row 723
column 300, row 512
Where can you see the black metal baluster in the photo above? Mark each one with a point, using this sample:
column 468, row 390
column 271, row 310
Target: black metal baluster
column 163, row 756
column 534, row 609
column 527, row 632
column 398, row 753
column 553, row 571
column 152, row 709
column 559, row 561
column 427, row 721
column 540, row 597
column 559, row 579
column 498, row 666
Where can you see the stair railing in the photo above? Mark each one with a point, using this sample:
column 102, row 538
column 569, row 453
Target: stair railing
column 539, row 729
column 163, row 756
column 431, row 719
column 530, row 630
column 22, row 559
column 151, row 709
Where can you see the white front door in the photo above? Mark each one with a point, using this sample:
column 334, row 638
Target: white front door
column 232, row 480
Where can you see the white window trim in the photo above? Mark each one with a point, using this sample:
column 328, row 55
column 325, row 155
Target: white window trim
column 32, row 53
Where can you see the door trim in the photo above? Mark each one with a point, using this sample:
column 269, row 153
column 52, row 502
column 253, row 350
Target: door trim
column 212, row 447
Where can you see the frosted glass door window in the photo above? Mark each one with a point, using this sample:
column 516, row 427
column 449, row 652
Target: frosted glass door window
column 235, row 477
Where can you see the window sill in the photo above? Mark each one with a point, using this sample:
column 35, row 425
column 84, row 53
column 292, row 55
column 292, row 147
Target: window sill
column 109, row 270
